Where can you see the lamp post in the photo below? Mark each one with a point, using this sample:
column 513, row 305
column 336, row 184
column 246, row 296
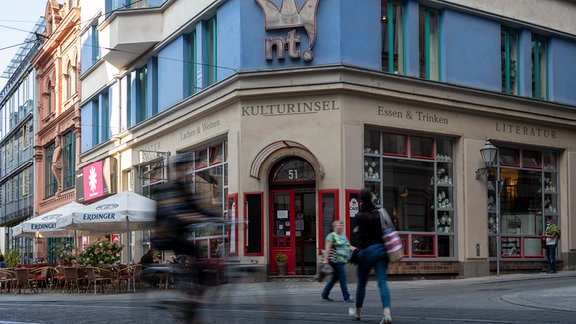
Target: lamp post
column 488, row 154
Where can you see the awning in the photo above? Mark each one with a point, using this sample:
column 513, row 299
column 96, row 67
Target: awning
column 120, row 213
column 47, row 224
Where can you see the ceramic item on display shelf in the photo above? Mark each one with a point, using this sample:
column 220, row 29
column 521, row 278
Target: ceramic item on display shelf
column 443, row 219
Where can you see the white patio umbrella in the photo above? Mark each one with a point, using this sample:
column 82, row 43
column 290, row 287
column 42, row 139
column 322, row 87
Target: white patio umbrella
column 47, row 224
column 124, row 212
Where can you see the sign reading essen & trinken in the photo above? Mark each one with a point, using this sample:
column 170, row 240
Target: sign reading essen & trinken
column 412, row 115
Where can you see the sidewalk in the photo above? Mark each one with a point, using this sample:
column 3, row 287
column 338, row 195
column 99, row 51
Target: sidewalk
column 557, row 299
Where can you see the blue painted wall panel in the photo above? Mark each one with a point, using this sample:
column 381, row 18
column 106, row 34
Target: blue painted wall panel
column 411, row 46
column 470, row 51
column 172, row 70
column 229, row 38
column 562, row 71
column 361, row 34
column 86, row 50
column 86, row 129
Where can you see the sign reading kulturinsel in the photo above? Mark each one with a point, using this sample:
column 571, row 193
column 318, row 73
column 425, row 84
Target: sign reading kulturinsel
column 286, row 17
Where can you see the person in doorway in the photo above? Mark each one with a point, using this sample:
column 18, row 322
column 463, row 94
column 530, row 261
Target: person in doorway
column 336, row 254
column 368, row 234
column 551, row 236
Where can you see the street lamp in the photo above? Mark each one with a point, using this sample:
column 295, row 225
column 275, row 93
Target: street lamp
column 489, row 153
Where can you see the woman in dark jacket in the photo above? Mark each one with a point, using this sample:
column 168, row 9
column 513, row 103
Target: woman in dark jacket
column 368, row 233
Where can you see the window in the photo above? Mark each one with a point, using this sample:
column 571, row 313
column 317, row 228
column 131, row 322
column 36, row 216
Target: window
column 192, row 57
column 142, row 91
column 70, row 80
column 209, row 183
column 392, row 36
column 68, row 77
column 105, row 116
column 25, row 136
column 509, row 57
column 50, row 185
column 394, row 144
column 253, row 230
column 48, row 96
column 9, row 150
column 9, row 194
column 129, row 111
column 68, row 159
column 429, row 40
column 25, row 182
column 211, row 75
column 95, row 43
column 412, row 177
column 96, row 121
column 539, row 67
column 529, row 191
column 153, row 174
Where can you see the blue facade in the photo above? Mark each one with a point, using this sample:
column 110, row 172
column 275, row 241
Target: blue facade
column 471, row 58
column 172, row 70
column 348, row 33
column 562, row 71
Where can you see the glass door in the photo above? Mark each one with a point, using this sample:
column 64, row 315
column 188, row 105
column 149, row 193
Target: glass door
column 282, row 233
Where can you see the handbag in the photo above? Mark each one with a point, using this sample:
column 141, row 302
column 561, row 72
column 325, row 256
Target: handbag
column 323, row 271
column 353, row 259
column 391, row 238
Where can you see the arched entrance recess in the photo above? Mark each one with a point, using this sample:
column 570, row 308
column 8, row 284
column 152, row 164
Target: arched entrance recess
column 292, row 215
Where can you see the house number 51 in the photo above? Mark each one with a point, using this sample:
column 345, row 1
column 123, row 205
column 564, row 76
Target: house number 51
column 293, row 174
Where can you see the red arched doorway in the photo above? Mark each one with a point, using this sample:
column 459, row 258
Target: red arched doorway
column 292, row 216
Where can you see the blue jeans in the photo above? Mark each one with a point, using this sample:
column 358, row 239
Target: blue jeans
column 551, row 256
column 375, row 257
column 338, row 274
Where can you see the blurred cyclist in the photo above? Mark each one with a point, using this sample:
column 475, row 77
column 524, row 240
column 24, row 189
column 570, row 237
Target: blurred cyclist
column 175, row 209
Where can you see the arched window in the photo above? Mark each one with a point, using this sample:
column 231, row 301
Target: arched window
column 48, row 96
column 69, row 80
column 293, row 170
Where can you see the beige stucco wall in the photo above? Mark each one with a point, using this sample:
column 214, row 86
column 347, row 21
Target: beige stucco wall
column 553, row 14
column 334, row 137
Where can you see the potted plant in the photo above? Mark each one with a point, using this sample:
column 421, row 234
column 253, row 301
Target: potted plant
column 281, row 263
column 101, row 252
column 12, row 258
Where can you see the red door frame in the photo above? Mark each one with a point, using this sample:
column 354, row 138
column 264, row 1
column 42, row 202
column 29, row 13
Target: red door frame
column 282, row 243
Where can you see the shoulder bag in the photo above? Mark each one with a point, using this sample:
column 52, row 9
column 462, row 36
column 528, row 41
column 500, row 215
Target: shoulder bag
column 391, row 238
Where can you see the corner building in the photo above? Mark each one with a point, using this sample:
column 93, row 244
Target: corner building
column 291, row 107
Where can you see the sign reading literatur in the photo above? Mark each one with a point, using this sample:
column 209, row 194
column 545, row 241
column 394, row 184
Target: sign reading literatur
column 289, row 16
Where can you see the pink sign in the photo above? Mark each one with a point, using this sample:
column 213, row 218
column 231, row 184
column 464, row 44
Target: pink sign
column 93, row 181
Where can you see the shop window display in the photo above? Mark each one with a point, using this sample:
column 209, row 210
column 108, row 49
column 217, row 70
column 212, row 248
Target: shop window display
column 207, row 176
column 413, row 178
column 528, row 193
